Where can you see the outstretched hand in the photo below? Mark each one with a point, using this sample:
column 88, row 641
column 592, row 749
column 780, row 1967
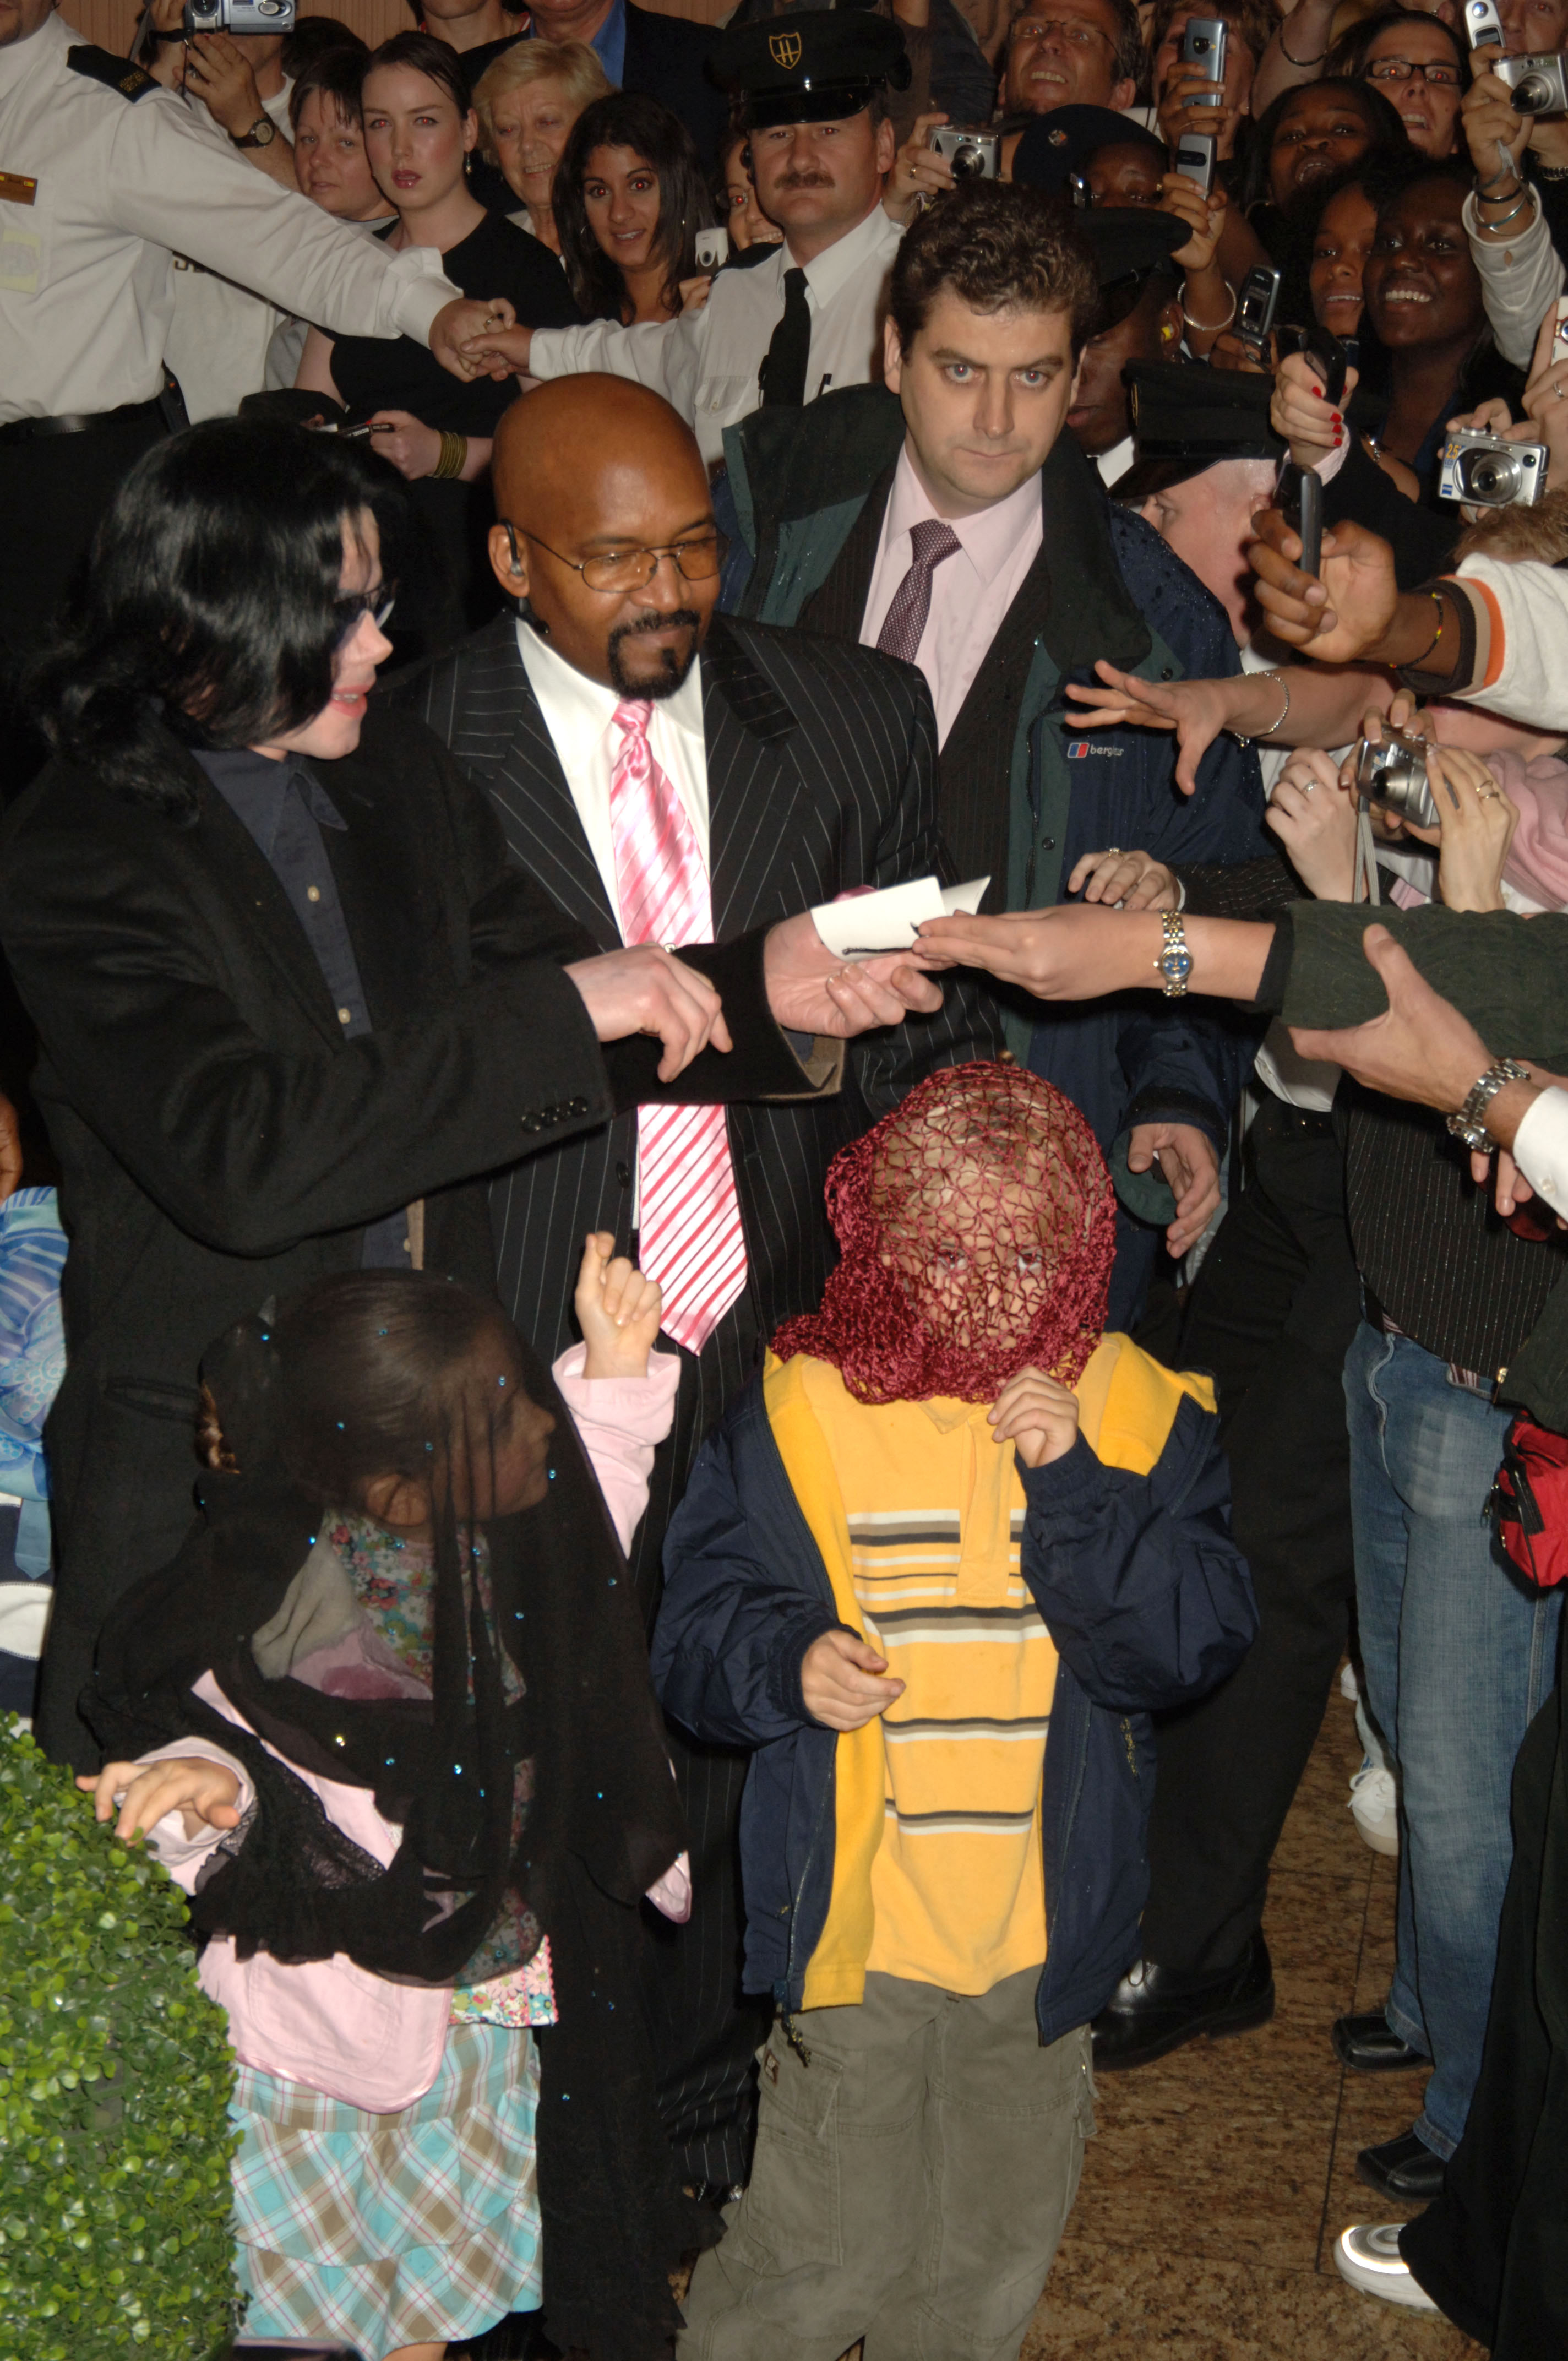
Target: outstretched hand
column 811, row 990
column 1339, row 617
column 1196, row 710
column 1420, row 1049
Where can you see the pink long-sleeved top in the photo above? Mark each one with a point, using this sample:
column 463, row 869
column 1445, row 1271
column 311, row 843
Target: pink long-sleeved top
column 334, row 2027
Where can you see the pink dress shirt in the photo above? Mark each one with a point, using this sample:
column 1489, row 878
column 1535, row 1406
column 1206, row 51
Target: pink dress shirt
column 970, row 591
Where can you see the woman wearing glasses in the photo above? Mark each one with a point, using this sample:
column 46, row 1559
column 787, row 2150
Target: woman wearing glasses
column 1419, row 63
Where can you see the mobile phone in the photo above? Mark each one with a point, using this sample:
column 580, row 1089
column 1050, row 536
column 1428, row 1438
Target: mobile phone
column 1195, row 159
column 1484, row 25
column 712, row 249
column 363, row 433
column 1204, row 46
column 1300, row 498
column 1082, row 194
column 1331, row 357
column 1559, row 333
column 1257, row 300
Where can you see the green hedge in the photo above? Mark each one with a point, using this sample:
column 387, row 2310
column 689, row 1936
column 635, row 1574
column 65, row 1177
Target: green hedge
column 114, row 2079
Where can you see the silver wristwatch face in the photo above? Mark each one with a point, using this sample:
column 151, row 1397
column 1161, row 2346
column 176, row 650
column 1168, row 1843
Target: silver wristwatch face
column 262, row 133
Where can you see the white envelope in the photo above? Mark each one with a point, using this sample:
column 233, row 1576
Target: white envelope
column 867, row 925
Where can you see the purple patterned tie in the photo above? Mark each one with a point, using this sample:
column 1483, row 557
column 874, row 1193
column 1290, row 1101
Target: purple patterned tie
column 905, row 625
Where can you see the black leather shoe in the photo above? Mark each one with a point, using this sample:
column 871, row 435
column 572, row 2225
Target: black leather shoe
column 1369, row 2045
column 1403, row 2169
column 1154, row 2010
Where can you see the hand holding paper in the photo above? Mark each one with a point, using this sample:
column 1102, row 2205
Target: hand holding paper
column 867, row 926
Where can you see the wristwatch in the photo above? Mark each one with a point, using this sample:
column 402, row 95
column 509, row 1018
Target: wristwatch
column 1175, row 961
column 262, row 133
column 1470, row 1123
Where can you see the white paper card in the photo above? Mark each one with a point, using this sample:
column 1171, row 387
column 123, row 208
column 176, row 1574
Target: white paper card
column 867, row 925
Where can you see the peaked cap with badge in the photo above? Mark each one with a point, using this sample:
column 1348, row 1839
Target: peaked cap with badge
column 816, row 66
column 1187, row 417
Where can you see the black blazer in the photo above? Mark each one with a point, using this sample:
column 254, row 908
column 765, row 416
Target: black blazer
column 821, row 776
column 666, row 57
column 220, row 1142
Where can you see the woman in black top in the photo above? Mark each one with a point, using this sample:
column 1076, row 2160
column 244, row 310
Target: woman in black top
column 419, row 132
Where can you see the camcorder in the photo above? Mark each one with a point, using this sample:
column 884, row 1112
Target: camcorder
column 1539, row 83
column 238, row 16
column 974, row 152
column 1392, row 774
column 1490, row 473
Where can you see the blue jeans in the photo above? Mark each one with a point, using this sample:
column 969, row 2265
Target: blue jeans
column 1459, row 1655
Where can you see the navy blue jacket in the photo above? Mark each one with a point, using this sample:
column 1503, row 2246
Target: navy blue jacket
column 1145, row 1593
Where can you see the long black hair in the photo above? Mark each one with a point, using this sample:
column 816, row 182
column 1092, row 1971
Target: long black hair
column 627, row 119
column 207, row 615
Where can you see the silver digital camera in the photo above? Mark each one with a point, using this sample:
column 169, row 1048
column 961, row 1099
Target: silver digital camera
column 1540, row 84
column 1490, row 473
column 1392, row 774
column 974, row 153
column 238, row 16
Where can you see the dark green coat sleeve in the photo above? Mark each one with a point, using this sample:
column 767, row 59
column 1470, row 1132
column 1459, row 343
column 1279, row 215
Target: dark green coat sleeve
column 1508, row 974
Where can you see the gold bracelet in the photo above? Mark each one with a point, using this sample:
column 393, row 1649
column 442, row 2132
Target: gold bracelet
column 1414, row 663
column 453, row 456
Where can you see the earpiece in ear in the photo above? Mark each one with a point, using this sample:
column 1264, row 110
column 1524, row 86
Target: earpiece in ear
column 511, row 545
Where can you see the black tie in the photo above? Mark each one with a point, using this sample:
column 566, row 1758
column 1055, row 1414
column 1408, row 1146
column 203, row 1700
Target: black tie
column 783, row 371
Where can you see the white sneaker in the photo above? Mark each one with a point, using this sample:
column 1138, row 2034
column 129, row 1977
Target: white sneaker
column 1367, row 2254
column 1374, row 1807
column 1349, row 1687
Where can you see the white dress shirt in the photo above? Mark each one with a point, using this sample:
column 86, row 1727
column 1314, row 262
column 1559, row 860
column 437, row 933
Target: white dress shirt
column 579, row 714
column 1541, row 1147
column 705, row 363
column 85, row 302
column 970, row 591
column 220, row 334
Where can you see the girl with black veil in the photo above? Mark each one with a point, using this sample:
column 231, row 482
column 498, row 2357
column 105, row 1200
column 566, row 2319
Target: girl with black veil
column 388, row 1718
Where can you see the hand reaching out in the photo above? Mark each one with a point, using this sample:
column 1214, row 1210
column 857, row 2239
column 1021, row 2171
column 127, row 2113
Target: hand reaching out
column 1300, row 413
column 206, row 1794
column 1187, row 1159
column 811, row 990
column 841, row 1682
column 1126, row 881
column 618, row 1310
column 1038, row 1415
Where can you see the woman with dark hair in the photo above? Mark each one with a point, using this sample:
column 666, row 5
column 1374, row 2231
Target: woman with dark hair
column 419, row 131
column 1418, row 63
column 630, row 196
column 330, row 161
column 1305, row 147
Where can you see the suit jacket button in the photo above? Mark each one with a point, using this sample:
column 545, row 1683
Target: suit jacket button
column 579, row 1106
column 532, row 1123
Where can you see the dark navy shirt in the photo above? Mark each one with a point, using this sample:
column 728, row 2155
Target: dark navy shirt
column 285, row 808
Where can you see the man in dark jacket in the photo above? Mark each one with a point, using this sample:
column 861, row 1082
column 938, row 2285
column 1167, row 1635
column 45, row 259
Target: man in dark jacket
column 645, row 50
column 950, row 521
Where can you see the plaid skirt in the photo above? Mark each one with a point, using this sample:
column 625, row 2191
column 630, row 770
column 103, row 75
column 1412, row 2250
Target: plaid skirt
column 377, row 2231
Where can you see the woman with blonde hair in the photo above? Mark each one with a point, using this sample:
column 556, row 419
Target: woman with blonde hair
column 528, row 102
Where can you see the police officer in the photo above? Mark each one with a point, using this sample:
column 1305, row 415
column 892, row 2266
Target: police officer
column 793, row 320
column 101, row 174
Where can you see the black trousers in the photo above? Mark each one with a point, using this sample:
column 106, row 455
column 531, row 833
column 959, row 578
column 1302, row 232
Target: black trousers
column 52, row 493
column 1272, row 1314
column 1493, row 2249
column 706, row 2028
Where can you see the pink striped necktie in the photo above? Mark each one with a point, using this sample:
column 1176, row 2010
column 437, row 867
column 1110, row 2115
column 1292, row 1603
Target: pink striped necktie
column 690, row 1241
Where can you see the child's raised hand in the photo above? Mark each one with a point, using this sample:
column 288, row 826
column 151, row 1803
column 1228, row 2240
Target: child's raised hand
column 1038, row 1415
column 839, row 1680
column 618, row 1310
column 206, row 1792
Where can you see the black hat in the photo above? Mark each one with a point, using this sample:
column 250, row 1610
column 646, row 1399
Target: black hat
column 814, row 65
column 1127, row 242
column 1060, row 143
column 1187, row 417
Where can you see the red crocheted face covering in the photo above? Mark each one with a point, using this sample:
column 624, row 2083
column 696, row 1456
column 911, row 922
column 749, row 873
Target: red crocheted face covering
column 977, row 1225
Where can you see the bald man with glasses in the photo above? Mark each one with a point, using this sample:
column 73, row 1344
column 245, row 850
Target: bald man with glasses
column 665, row 773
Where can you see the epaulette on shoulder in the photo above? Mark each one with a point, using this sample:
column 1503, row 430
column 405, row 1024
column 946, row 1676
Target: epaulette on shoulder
column 114, row 73
column 748, row 258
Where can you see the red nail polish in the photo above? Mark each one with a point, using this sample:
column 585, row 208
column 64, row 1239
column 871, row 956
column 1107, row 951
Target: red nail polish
column 1319, row 392
column 1338, row 419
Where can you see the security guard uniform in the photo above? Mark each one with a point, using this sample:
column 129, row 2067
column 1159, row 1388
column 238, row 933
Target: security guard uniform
column 103, row 174
column 817, row 68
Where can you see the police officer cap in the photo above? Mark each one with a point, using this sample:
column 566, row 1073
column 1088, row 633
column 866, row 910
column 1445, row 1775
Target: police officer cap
column 1187, row 417
column 814, row 65
column 1056, row 145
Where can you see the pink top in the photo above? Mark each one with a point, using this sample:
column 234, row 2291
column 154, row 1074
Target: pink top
column 970, row 591
column 1537, row 858
column 334, row 2027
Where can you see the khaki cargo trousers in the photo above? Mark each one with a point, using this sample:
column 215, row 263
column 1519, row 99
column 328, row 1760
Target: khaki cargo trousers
column 910, row 2185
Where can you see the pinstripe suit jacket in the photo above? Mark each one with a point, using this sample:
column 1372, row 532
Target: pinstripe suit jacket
column 821, row 776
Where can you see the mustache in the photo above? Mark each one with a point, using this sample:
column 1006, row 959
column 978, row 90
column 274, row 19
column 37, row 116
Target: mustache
column 804, row 177
column 682, row 619
column 674, row 667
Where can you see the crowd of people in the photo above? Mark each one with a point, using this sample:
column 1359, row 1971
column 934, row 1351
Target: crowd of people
column 713, row 1538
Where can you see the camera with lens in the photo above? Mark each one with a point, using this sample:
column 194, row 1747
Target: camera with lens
column 1490, row 473
column 1392, row 774
column 974, row 153
column 238, row 16
column 1540, row 84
